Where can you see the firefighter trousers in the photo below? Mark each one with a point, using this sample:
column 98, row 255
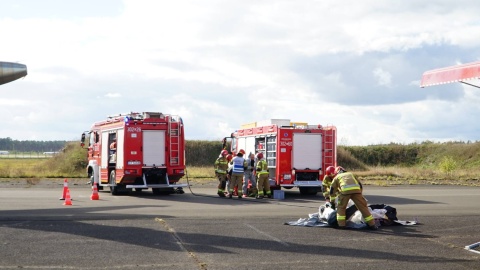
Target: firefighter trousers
column 236, row 180
column 222, row 180
column 361, row 205
column 263, row 184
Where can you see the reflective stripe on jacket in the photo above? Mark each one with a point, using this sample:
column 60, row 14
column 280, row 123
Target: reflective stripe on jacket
column 221, row 165
column 345, row 183
column 326, row 183
column 262, row 167
column 239, row 165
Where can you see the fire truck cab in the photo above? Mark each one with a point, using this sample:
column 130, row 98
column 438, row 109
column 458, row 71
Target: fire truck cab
column 297, row 154
column 136, row 151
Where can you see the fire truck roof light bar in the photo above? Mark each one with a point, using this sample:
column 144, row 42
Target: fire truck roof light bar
column 139, row 116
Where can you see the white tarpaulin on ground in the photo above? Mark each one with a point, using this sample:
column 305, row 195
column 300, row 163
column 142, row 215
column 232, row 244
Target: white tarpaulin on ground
column 326, row 217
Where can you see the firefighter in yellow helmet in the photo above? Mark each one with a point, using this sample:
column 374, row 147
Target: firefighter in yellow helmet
column 326, row 183
column 262, row 177
column 348, row 187
column 221, row 166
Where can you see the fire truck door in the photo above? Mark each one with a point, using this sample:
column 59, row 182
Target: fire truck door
column 120, row 148
column 154, row 148
column 307, row 151
column 249, row 146
column 105, row 150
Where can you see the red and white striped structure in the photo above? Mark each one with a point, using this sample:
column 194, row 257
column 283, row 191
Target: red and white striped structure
column 459, row 73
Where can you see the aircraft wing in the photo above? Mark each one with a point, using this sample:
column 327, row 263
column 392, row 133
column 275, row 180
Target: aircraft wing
column 458, row 73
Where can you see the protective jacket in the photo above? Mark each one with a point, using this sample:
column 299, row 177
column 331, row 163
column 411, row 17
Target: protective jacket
column 262, row 167
column 221, row 165
column 326, row 183
column 345, row 183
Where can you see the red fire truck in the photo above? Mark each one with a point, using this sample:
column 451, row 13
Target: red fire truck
column 137, row 151
column 296, row 153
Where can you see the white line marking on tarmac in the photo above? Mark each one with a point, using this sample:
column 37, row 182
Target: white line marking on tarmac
column 267, row 235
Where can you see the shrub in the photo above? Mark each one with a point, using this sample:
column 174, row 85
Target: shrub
column 447, row 165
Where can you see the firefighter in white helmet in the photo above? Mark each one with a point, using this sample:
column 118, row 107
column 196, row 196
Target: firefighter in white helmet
column 262, row 178
column 221, row 166
column 236, row 179
column 348, row 187
column 326, row 183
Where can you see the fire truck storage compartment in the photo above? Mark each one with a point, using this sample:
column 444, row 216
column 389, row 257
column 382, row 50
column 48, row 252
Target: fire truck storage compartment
column 153, row 148
column 155, row 176
column 271, row 155
column 107, row 139
column 307, row 155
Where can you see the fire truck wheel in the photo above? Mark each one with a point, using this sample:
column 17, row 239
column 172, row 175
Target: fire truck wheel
column 113, row 184
column 308, row 190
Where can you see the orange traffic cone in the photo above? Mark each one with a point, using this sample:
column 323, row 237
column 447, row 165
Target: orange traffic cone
column 95, row 192
column 68, row 200
column 65, row 188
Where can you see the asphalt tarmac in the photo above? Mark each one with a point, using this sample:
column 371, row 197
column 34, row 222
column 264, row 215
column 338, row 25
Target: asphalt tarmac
column 199, row 230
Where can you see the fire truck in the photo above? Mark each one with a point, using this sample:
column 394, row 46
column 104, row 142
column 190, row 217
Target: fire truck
column 136, row 151
column 297, row 154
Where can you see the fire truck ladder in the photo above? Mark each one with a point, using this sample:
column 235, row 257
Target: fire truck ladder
column 328, row 147
column 174, row 131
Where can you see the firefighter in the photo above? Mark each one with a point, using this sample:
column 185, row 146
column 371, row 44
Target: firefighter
column 238, row 169
column 221, row 166
column 326, row 183
column 262, row 177
column 113, row 151
column 348, row 187
column 249, row 175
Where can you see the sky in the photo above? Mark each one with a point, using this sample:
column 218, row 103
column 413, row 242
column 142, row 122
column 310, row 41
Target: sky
column 219, row 64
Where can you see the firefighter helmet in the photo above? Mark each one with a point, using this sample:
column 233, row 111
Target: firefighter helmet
column 259, row 155
column 224, row 153
column 229, row 157
column 339, row 169
column 241, row 151
column 330, row 171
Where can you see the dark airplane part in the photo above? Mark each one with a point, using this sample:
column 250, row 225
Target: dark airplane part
column 10, row 72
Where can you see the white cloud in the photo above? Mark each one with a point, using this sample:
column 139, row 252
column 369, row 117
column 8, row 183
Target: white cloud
column 384, row 78
column 113, row 95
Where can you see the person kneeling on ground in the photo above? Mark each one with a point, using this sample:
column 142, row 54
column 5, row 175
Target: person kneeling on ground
column 347, row 187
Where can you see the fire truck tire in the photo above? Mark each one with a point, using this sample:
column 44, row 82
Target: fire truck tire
column 308, row 190
column 113, row 184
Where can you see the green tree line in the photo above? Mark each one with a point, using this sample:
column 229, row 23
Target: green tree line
column 204, row 153
column 7, row 144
